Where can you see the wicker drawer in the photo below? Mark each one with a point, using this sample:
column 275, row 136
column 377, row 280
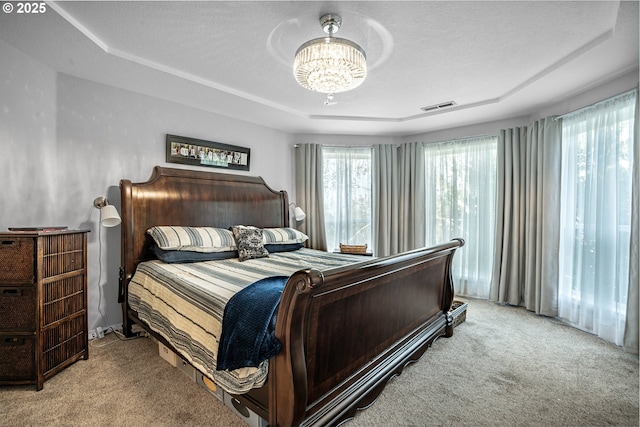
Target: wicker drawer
column 18, row 309
column 63, row 342
column 62, row 298
column 17, row 260
column 64, row 262
column 17, row 358
column 55, row 244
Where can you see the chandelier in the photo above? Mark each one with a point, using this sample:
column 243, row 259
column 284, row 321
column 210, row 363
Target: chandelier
column 330, row 64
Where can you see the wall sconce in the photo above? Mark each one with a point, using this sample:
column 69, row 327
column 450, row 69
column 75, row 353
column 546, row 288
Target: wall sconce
column 298, row 213
column 109, row 216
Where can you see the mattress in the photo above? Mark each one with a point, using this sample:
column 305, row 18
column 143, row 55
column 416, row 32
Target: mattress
column 184, row 303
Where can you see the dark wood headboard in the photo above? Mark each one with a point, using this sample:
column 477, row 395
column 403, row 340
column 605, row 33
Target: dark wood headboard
column 193, row 198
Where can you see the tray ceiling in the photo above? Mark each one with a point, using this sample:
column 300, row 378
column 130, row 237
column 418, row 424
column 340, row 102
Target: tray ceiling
column 495, row 60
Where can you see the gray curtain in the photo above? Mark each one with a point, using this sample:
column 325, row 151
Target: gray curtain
column 386, row 210
column 631, row 323
column 525, row 268
column 412, row 197
column 399, row 213
column 308, row 158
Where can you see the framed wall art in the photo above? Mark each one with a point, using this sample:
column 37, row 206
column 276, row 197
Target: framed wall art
column 198, row 152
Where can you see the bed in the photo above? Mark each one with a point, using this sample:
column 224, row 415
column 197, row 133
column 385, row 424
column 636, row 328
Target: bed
column 394, row 307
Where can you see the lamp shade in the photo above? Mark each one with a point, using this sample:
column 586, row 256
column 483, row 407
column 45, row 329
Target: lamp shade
column 109, row 216
column 299, row 214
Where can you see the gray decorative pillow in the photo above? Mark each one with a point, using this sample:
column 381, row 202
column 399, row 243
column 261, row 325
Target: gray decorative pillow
column 249, row 242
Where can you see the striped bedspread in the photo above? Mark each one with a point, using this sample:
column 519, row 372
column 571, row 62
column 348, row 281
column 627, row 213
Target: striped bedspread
column 185, row 303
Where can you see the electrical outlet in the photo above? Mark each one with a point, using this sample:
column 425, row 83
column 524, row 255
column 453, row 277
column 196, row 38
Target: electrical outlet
column 92, row 334
column 100, row 332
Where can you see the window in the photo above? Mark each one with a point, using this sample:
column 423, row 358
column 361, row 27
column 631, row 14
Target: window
column 461, row 202
column 347, row 195
column 597, row 144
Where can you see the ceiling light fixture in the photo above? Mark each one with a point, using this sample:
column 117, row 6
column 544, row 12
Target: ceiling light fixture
column 329, row 64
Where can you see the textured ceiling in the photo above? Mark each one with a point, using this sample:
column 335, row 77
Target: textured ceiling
column 494, row 59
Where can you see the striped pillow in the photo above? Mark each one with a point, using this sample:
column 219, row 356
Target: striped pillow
column 196, row 239
column 282, row 236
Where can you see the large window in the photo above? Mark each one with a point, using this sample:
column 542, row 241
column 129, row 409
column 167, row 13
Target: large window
column 347, row 195
column 597, row 161
column 461, row 202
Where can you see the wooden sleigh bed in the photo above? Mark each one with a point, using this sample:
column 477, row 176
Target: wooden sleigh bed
column 345, row 332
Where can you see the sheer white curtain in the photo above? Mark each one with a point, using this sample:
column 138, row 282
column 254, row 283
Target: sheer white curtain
column 460, row 179
column 347, row 195
column 598, row 144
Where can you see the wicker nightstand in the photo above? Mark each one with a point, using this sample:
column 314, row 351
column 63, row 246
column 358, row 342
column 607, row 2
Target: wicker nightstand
column 43, row 299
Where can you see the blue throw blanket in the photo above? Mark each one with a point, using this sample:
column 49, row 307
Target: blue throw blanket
column 249, row 323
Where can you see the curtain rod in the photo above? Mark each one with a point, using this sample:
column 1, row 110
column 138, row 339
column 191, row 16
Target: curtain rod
column 595, row 104
column 346, row 146
column 464, row 138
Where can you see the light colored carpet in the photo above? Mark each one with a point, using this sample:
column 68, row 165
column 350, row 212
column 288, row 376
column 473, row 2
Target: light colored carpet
column 503, row 367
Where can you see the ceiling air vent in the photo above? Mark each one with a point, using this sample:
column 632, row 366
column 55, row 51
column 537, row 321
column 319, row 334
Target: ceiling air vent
column 439, row 106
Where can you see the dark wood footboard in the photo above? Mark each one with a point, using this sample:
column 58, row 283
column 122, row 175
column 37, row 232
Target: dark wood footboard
column 345, row 332
column 348, row 331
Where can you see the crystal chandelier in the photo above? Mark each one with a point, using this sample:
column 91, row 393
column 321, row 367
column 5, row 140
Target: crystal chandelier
column 330, row 64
